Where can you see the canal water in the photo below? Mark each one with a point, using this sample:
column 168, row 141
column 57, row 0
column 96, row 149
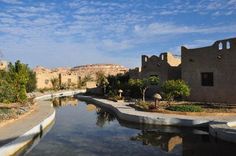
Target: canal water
column 83, row 129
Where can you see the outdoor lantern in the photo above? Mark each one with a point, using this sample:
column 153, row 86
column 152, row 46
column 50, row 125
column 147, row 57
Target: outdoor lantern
column 157, row 98
column 120, row 92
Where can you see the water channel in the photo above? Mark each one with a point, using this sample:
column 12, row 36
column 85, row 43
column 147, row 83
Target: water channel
column 84, row 129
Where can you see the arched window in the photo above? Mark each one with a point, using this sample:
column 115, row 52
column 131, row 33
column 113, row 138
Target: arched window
column 227, row 45
column 220, row 46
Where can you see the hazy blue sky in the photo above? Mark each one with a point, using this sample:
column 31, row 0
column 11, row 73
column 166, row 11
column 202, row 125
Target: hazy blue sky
column 74, row 32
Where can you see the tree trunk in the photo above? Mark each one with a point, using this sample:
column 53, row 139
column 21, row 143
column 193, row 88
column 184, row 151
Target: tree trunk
column 143, row 93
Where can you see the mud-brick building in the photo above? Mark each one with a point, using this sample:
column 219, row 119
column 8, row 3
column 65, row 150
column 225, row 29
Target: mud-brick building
column 165, row 66
column 211, row 71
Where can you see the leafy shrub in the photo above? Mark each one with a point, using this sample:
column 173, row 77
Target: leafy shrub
column 173, row 89
column 112, row 95
column 185, row 108
column 7, row 92
column 143, row 104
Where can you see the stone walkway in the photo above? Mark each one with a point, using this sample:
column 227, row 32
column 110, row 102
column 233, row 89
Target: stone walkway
column 13, row 130
column 128, row 113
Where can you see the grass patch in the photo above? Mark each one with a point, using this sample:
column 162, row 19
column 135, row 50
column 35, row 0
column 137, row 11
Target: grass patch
column 185, row 108
column 5, row 111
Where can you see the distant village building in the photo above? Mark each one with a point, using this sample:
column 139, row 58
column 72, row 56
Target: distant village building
column 72, row 76
column 3, row 65
column 44, row 77
column 165, row 66
column 92, row 69
column 211, row 71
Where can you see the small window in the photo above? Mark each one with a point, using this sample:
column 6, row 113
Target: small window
column 69, row 80
column 207, row 79
column 227, row 45
column 191, row 60
column 145, row 59
column 220, row 46
column 162, row 57
column 46, row 82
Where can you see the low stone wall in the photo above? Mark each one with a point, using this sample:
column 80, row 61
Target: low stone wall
column 224, row 131
column 129, row 114
column 23, row 140
column 60, row 94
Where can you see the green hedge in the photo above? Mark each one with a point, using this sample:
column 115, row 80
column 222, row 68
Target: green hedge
column 185, row 108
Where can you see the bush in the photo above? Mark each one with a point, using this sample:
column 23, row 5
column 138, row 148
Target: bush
column 112, row 95
column 173, row 89
column 7, row 92
column 185, row 108
column 31, row 84
column 143, row 105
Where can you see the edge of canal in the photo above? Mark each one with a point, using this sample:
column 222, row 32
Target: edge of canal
column 23, row 140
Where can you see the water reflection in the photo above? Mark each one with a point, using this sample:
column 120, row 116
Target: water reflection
column 64, row 101
column 84, row 129
column 166, row 142
column 103, row 117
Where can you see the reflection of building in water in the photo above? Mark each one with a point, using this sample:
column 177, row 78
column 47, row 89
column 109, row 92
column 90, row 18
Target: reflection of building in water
column 90, row 107
column 166, row 141
column 188, row 144
column 65, row 102
column 173, row 142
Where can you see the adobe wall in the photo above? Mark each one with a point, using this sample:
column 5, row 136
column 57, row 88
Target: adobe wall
column 221, row 62
column 166, row 66
column 73, row 75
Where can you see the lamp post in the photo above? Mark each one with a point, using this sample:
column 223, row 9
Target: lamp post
column 157, row 98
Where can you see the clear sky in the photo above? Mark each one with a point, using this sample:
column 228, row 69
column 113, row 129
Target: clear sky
column 56, row 33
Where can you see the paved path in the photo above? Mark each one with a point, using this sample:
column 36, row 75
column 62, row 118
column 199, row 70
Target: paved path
column 16, row 128
column 128, row 113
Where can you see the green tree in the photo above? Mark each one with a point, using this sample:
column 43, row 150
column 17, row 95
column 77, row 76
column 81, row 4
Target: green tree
column 100, row 78
column 102, row 81
column 14, row 82
column 7, row 92
column 31, row 84
column 55, row 83
column 18, row 77
column 173, row 89
column 144, row 84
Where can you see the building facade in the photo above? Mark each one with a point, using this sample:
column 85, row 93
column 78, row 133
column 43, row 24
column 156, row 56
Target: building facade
column 165, row 66
column 210, row 71
column 71, row 77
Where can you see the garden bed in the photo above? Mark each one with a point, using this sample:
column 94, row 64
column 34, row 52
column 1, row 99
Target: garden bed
column 13, row 111
column 187, row 108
